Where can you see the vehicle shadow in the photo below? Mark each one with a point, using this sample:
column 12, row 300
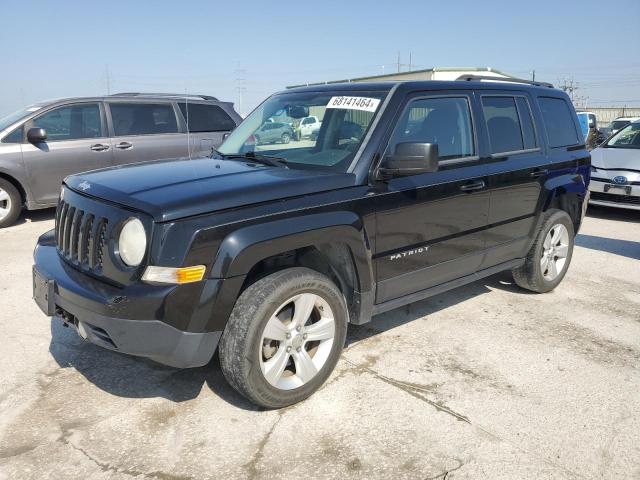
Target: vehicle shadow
column 612, row 213
column 36, row 216
column 135, row 377
column 625, row 248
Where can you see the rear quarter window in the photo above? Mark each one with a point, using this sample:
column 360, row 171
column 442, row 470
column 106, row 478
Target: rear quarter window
column 206, row 118
column 558, row 122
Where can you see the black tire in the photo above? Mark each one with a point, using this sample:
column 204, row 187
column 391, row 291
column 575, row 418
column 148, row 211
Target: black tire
column 13, row 202
column 530, row 276
column 286, row 138
column 240, row 343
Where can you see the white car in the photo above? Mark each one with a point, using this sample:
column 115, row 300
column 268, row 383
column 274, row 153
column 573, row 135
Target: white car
column 621, row 122
column 615, row 170
column 308, row 125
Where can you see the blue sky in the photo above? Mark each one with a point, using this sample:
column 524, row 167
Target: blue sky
column 63, row 48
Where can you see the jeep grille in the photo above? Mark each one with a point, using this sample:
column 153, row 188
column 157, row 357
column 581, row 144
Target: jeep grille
column 80, row 236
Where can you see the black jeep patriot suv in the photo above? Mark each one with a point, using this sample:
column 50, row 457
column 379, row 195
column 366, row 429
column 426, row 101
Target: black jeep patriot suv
column 267, row 252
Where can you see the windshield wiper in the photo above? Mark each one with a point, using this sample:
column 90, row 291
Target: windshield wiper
column 252, row 156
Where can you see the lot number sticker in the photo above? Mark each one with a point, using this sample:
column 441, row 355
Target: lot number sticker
column 354, row 103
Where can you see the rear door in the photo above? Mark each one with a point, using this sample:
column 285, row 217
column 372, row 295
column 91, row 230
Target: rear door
column 430, row 227
column 76, row 142
column 517, row 169
column 144, row 131
column 207, row 124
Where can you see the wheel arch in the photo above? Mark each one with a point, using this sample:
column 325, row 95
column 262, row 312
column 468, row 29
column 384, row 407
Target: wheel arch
column 567, row 193
column 334, row 244
column 16, row 183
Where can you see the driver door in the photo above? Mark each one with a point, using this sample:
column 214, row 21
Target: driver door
column 430, row 227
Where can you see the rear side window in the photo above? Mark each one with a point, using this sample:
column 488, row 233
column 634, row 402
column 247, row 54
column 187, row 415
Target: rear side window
column 503, row 124
column 71, row 123
column 206, row 118
column 143, row 118
column 558, row 121
column 445, row 121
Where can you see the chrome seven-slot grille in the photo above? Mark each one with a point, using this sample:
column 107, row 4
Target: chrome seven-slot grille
column 80, row 236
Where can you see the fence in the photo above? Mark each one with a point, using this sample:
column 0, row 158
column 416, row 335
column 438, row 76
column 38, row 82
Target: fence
column 606, row 115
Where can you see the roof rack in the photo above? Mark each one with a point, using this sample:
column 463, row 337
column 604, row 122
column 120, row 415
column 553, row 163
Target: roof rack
column 169, row 95
column 469, row 77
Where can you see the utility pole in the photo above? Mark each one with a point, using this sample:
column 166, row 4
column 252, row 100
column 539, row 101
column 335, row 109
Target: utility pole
column 569, row 86
column 398, row 62
column 408, row 65
column 533, row 75
column 240, row 87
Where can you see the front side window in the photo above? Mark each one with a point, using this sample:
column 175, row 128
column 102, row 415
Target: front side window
column 445, row 121
column 342, row 122
column 143, row 118
column 206, row 118
column 558, row 121
column 628, row 137
column 71, row 122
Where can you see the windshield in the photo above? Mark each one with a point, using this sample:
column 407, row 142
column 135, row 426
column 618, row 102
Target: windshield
column 618, row 124
column 12, row 118
column 312, row 130
column 628, row 137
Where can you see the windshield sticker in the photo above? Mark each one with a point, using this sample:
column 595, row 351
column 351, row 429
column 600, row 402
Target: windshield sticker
column 354, row 103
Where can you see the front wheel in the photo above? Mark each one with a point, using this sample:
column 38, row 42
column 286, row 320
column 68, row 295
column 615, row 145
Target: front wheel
column 10, row 204
column 284, row 337
column 548, row 259
column 286, row 138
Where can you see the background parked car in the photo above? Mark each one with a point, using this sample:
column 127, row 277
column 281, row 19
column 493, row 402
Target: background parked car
column 621, row 122
column 615, row 170
column 307, row 126
column 42, row 144
column 274, row 132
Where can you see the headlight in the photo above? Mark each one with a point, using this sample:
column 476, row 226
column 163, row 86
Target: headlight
column 132, row 243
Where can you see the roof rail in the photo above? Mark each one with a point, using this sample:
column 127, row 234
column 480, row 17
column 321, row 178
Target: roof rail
column 169, row 95
column 469, row 77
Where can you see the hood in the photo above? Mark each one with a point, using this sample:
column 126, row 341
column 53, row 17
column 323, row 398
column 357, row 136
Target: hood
column 616, row 158
column 172, row 189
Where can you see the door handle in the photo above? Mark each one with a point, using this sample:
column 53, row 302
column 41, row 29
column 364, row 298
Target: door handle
column 539, row 173
column 124, row 145
column 99, row 147
column 473, row 186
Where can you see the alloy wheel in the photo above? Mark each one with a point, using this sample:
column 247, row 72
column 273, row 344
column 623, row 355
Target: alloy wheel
column 296, row 341
column 5, row 204
column 554, row 252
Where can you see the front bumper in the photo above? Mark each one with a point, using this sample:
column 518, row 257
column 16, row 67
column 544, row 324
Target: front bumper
column 611, row 195
column 111, row 318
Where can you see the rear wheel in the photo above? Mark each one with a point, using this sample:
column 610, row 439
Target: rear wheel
column 10, row 203
column 548, row 260
column 286, row 138
column 284, row 337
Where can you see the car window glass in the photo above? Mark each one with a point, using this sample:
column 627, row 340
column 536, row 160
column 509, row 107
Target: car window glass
column 206, row 118
column 444, row 121
column 14, row 137
column 503, row 124
column 628, row 137
column 526, row 122
column 143, row 118
column 71, row 122
column 558, row 122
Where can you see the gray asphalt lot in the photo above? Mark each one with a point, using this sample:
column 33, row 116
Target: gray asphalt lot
column 487, row 381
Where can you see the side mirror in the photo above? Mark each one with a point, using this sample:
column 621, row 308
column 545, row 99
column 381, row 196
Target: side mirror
column 411, row 158
column 36, row 135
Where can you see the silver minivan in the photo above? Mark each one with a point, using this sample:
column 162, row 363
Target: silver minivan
column 41, row 144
